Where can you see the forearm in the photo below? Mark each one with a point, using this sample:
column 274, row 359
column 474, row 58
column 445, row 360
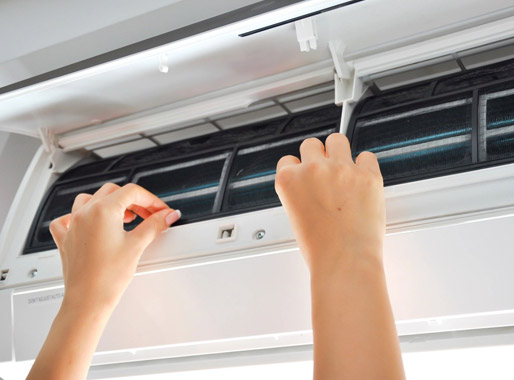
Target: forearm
column 71, row 343
column 354, row 331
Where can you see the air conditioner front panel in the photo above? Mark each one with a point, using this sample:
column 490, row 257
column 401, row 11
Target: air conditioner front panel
column 198, row 307
column 6, row 325
column 189, row 306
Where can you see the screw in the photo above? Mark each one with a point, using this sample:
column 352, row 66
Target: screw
column 33, row 273
column 260, row 234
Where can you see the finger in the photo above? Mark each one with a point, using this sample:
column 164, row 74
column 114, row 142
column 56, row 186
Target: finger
column 368, row 160
column 150, row 228
column 59, row 228
column 141, row 211
column 129, row 216
column 338, row 148
column 286, row 161
column 132, row 194
column 312, row 150
column 106, row 189
column 80, row 200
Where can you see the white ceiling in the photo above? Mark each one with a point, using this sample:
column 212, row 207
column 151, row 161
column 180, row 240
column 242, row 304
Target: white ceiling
column 36, row 24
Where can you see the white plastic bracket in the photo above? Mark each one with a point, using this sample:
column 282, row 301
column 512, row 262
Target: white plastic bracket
column 306, row 34
column 163, row 63
column 60, row 160
column 349, row 87
column 343, row 69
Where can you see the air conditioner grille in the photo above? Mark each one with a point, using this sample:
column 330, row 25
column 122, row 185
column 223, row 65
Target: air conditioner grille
column 59, row 201
column 496, row 121
column 414, row 140
column 394, row 97
column 220, row 174
column 417, row 134
column 477, row 77
column 202, row 143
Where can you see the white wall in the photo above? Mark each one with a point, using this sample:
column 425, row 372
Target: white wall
column 54, row 33
column 16, row 152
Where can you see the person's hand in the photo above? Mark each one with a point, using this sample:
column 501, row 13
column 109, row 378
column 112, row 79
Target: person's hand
column 99, row 258
column 337, row 211
column 335, row 206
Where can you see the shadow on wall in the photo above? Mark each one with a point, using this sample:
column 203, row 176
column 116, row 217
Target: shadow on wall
column 16, row 152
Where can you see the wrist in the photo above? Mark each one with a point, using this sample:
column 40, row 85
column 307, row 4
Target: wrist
column 79, row 305
column 338, row 265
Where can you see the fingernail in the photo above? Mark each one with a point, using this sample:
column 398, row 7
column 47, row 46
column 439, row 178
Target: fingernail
column 173, row 216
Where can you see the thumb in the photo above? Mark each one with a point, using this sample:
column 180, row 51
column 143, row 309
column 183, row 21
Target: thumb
column 150, row 228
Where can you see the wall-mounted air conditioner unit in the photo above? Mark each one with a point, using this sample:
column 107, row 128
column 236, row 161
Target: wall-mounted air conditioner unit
column 432, row 99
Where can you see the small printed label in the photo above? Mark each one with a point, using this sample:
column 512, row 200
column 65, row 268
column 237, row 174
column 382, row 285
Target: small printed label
column 47, row 298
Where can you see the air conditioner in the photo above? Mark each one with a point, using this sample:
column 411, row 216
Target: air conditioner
column 201, row 121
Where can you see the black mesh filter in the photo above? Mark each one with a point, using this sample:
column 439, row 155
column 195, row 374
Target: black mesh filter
column 417, row 140
column 60, row 201
column 500, row 146
column 201, row 143
column 87, row 169
column 190, row 186
column 326, row 116
column 252, row 195
column 194, row 207
column 481, row 76
column 176, row 178
column 192, row 175
column 396, row 97
column 426, row 160
column 498, row 136
column 252, row 179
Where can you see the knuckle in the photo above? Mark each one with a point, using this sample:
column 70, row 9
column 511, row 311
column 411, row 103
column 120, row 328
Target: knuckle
column 287, row 158
column 283, row 178
column 81, row 196
column 340, row 168
column 160, row 224
column 339, row 137
column 77, row 216
column 343, row 173
column 132, row 186
column 109, row 186
column 154, row 225
column 310, row 141
column 370, row 178
column 53, row 225
column 367, row 155
column 97, row 210
column 313, row 167
column 81, row 199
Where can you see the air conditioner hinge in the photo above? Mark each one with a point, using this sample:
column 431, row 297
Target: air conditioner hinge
column 349, row 86
column 306, row 34
column 344, row 70
column 60, row 160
